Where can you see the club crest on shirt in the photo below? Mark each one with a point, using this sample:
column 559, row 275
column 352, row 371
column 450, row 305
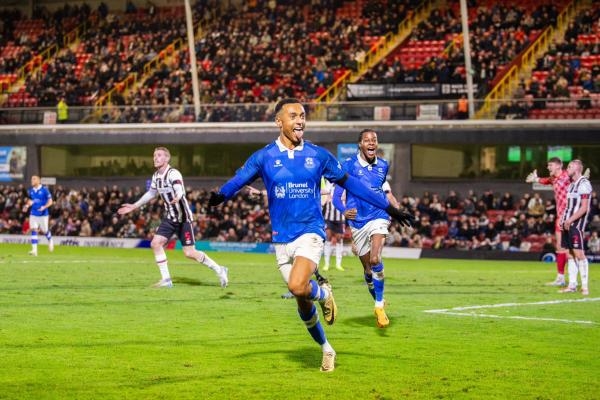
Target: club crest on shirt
column 309, row 162
column 277, row 163
column 280, row 191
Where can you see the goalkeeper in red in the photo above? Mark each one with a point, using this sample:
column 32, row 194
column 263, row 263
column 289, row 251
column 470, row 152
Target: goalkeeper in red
column 291, row 169
column 560, row 181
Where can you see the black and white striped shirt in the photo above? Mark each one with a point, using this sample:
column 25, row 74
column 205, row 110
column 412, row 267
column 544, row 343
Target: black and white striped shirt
column 332, row 214
column 170, row 185
column 576, row 193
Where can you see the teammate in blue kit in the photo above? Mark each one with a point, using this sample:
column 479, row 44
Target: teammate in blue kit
column 291, row 170
column 39, row 202
column 369, row 224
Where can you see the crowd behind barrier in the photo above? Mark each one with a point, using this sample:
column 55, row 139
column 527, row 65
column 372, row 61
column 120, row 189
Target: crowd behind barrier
column 434, row 54
column 490, row 221
column 266, row 50
column 565, row 82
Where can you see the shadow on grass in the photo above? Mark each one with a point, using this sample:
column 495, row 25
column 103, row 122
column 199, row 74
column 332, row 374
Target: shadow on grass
column 306, row 356
column 192, row 282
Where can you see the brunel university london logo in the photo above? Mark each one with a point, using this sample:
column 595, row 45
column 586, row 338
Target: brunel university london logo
column 280, row 191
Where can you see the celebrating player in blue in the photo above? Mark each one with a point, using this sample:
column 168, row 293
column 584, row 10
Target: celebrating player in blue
column 39, row 201
column 369, row 224
column 291, row 170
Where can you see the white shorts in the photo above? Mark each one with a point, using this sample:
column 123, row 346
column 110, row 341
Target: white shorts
column 362, row 236
column 37, row 223
column 309, row 245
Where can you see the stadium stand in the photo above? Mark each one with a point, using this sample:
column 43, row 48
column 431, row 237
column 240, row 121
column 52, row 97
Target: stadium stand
column 485, row 222
column 132, row 65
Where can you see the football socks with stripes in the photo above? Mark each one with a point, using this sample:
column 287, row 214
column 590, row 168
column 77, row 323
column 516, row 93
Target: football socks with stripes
column 378, row 284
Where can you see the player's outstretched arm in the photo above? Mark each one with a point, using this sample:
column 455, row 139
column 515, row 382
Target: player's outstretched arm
column 357, row 188
column 215, row 199
column 532, row 177
column 126, row 208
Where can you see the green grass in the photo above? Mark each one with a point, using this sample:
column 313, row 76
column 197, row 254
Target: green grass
column 82, row 323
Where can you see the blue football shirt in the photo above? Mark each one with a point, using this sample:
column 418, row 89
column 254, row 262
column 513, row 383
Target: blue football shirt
column 39, row 198
column 292, row 180
column 372, row 176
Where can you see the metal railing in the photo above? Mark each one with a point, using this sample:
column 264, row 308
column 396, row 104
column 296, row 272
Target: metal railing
column 394, row 110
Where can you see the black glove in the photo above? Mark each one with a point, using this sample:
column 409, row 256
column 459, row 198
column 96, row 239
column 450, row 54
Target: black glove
column 404, row 218
column 216, row 199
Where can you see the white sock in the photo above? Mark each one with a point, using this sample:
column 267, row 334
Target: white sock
column 339, row 248
column 572, row 266
column 583, row 272
column 34, row 242
column 209, row 262
column 327, row 253
column 326, row 347
column 163, row 266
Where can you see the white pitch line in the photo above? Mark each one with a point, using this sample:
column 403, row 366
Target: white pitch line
column 456, row 311
column 54, row 260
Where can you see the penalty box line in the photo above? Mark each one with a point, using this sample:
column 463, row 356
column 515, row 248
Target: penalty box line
column 466, row 311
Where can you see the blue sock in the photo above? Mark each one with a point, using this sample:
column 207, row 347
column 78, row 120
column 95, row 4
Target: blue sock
column 316, row 293
column 369, row 280
column 314, row 325
column 49, row 235
column 34, row 238
column 378, row 281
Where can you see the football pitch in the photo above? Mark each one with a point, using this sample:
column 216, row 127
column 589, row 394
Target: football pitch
column 83, row 323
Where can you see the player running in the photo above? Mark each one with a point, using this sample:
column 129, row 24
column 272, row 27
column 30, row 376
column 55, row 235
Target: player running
column 369, row 224
column 168, row 182
column 291, row 169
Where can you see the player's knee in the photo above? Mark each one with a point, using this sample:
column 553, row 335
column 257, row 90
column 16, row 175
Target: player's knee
column 298, row 290
column 156, row 244
column 374, row 259
column 190, row 252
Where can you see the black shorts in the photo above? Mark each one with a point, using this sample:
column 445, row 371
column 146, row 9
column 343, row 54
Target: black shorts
column 572, row 239
column 336, row 227
column 183, row 230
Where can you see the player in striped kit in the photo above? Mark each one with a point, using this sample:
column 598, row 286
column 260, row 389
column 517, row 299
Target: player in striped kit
column 573, row 223
column 560, row 181
column 168, row 182
column 335, row 225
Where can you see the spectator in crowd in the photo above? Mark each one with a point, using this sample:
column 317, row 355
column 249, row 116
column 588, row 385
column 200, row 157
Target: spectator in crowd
column 62, row 111
column 593, row 243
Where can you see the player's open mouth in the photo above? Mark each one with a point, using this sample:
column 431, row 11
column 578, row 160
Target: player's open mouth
column 370, row 153
column 299, row 132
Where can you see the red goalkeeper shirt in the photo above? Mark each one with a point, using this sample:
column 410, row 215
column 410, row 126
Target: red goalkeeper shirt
column 560, row 184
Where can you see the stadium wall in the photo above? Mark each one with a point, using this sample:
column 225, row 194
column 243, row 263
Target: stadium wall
column 402, row 134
